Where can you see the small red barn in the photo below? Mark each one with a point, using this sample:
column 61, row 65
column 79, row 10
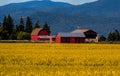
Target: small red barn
column 70, row 38
column 39, row 34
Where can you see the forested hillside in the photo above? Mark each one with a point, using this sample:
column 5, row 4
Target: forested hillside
column 102, row 16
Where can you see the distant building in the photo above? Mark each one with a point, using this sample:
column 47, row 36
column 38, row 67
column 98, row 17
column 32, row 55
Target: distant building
column 77, row 36
column 90, row 35
column 70, row 38
column 40, row 34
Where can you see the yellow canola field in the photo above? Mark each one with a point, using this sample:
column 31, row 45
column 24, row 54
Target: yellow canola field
column 49, row 59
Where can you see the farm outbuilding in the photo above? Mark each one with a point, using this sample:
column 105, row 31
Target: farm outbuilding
column 77, row 36
column 70, row 38
column 40, row 34
column 37, row 34
column 90, row 35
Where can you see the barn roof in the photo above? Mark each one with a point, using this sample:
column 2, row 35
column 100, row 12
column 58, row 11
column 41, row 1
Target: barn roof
column 71, row 34
column 83, row 31
column 80, row 30
column 36, row 31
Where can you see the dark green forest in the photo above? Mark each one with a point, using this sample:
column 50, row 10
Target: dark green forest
column 112, row 36
column 103, row 16
column 21, row 31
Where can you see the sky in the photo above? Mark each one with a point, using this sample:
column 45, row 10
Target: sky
column 75, row 2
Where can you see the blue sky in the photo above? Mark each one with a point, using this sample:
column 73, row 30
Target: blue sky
column 76, row 2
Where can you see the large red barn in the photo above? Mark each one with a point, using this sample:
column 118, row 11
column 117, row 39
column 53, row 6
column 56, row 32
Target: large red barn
column 70, row 38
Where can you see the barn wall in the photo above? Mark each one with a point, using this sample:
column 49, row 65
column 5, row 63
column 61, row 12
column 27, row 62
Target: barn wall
column 70, row 39
column 82, row 40
column 65, row 40
column 43, row 32
column 77, row 40
column 34, row 37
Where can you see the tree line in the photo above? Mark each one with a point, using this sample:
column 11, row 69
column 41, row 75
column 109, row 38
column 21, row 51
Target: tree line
column 112, row 36
column 21, row 31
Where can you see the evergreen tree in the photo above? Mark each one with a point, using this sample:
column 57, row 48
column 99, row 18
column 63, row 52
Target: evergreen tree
column 0, row 31
column 117, row 35
column 26, row 36
column 17, row 28
column 29, row 27
column 113, row 36
column 0, row 27
column 21, row 25
column 46, row 27
column 102, row 38
column 13, row 36
column 5, row 35
column 5, row 23
column 36, row 25
column 10, row 24
column 110, row 37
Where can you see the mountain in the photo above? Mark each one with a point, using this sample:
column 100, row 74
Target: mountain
column 27, row 8
column 102, row 16
column 104, row 8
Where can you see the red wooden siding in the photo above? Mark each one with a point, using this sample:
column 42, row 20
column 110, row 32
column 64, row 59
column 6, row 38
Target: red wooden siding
column 60, row 39
column 73, row 40
column 43, row 32
column 34, row 38
column 70, row 38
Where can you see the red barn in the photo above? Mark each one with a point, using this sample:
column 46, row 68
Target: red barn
column 70, row 38
column 39, row 34
column 90, row 35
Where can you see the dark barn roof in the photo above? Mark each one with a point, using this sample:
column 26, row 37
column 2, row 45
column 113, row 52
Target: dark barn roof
column 71, row 34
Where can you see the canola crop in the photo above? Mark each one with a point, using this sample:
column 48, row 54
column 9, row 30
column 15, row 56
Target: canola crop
column 50, row 59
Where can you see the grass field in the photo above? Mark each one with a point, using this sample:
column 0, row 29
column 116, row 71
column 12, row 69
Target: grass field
column 37, row 59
